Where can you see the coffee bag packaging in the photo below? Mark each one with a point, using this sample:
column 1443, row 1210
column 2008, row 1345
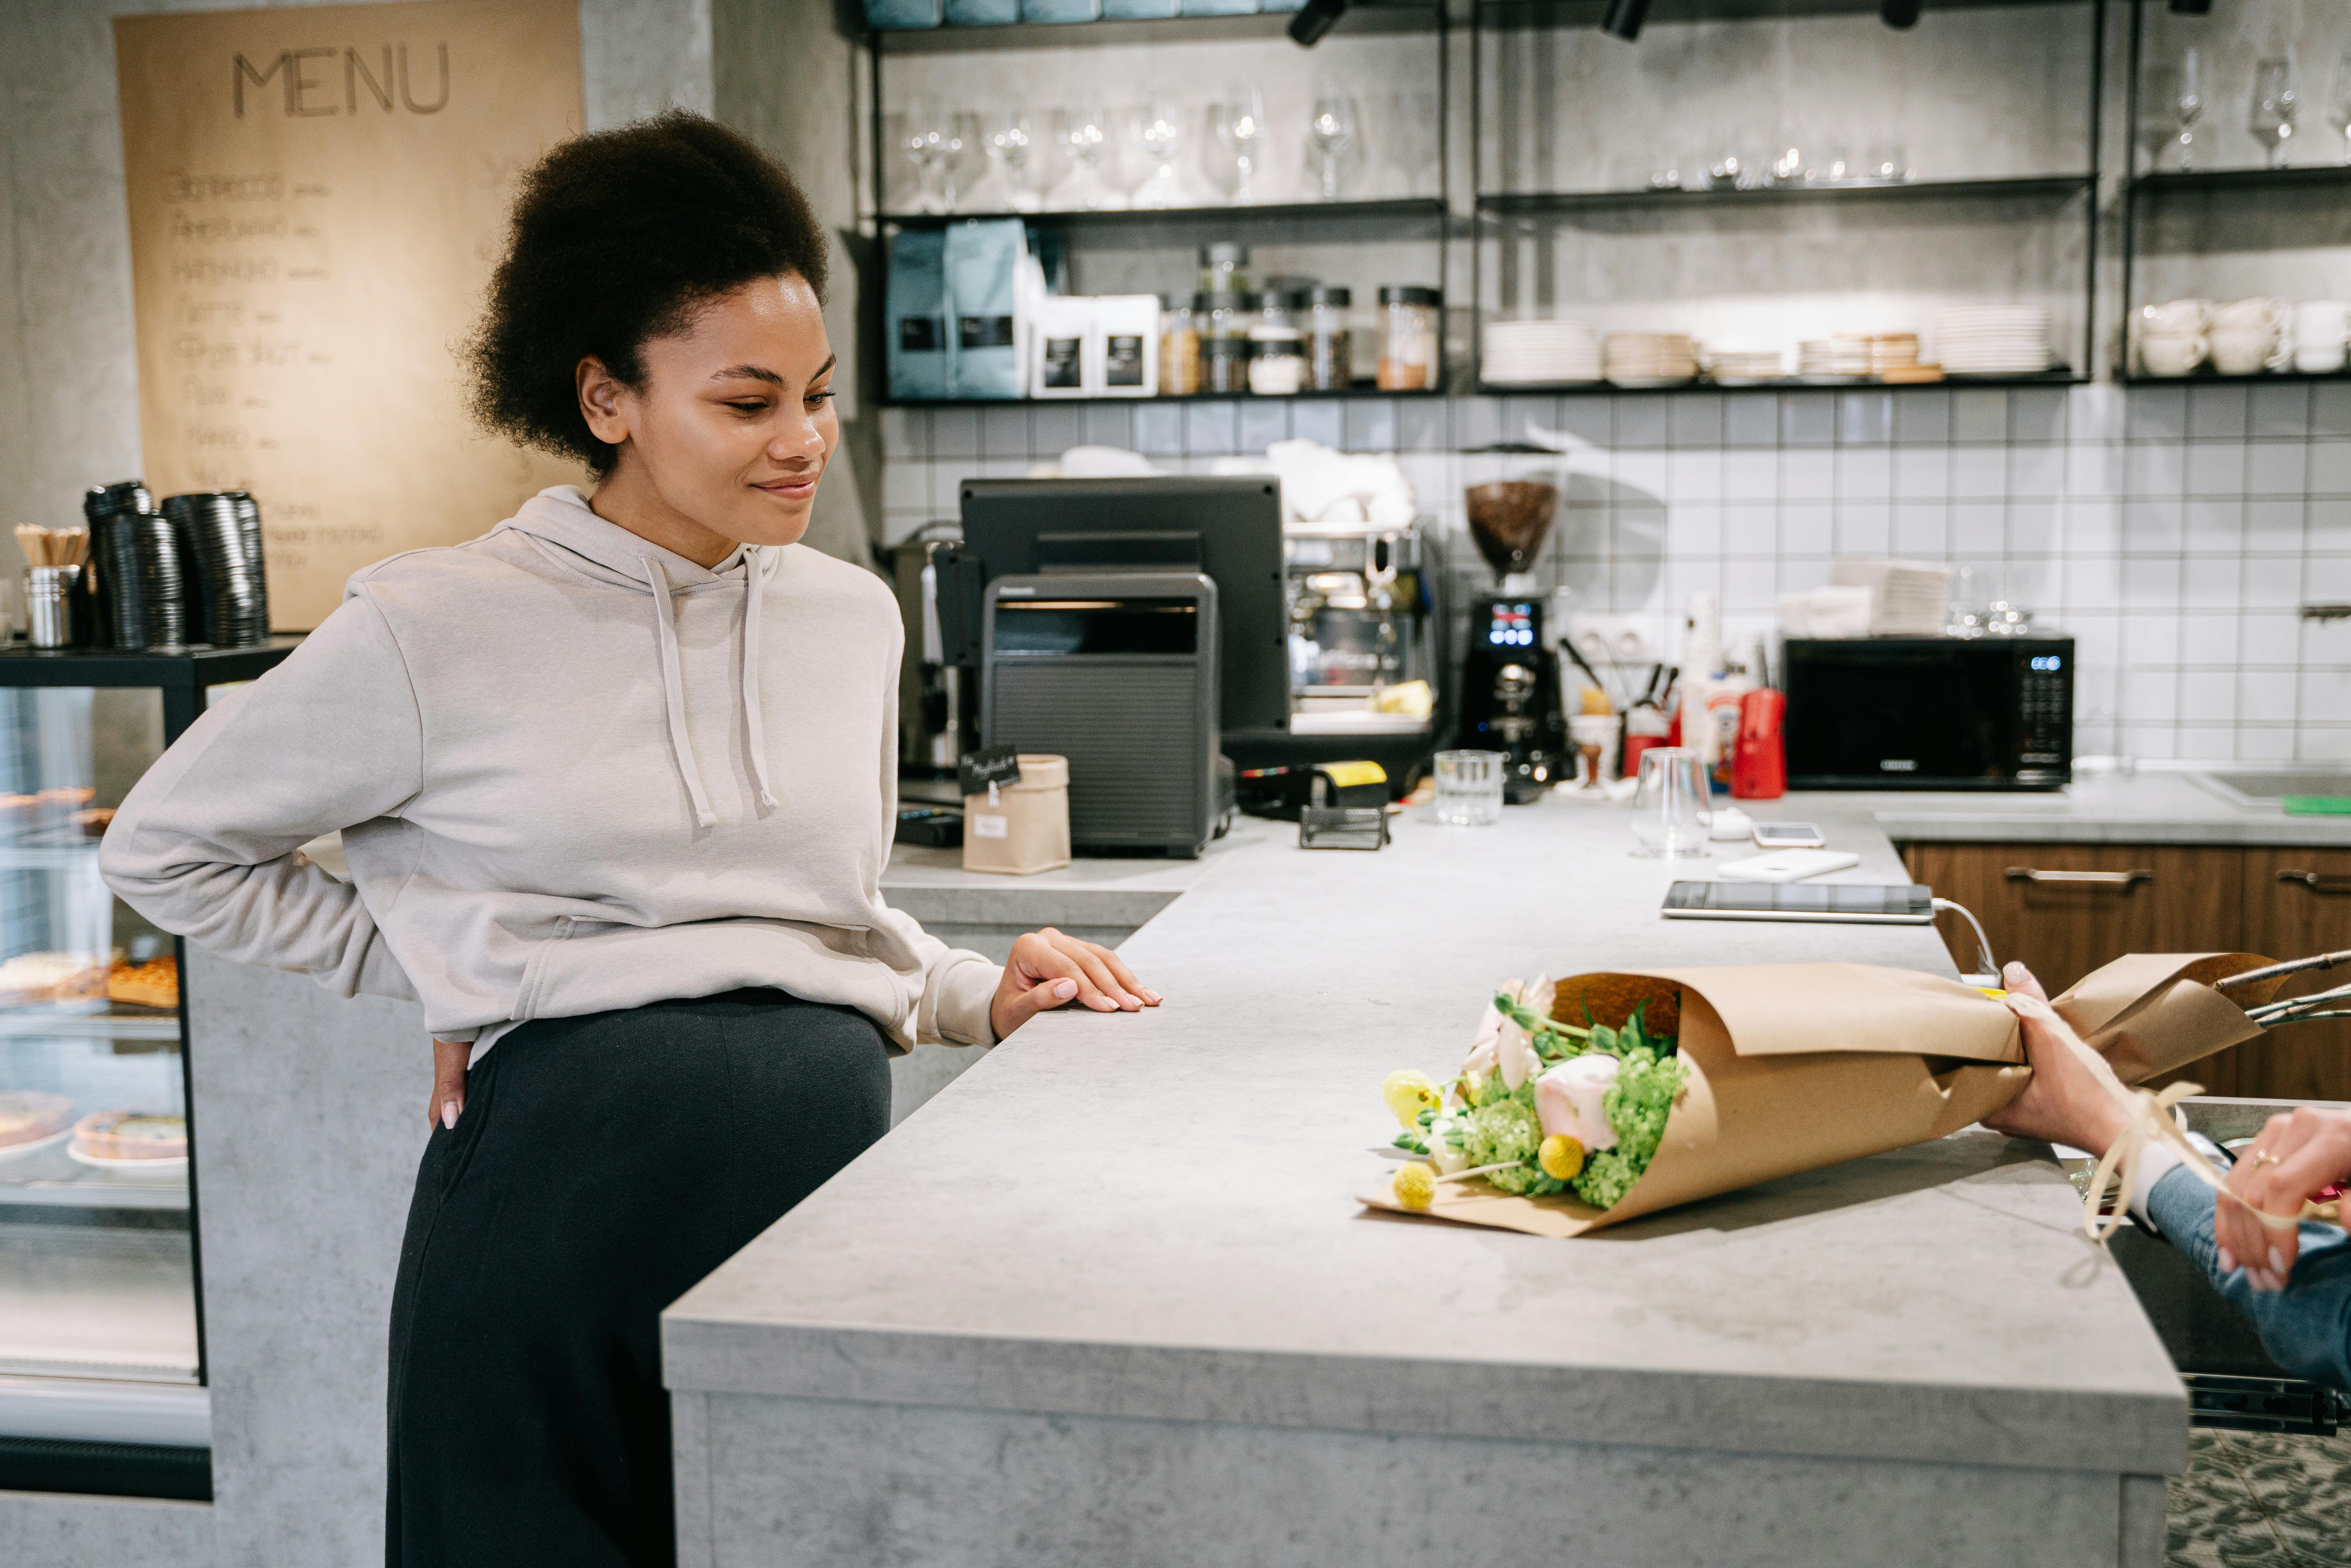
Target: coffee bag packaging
column 982, row 13
column 1128, row 327
column 1063, row 348
column 982, row 264
column 917, row 349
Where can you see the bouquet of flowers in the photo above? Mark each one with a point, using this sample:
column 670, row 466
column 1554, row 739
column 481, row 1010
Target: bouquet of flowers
column 1588, row 1100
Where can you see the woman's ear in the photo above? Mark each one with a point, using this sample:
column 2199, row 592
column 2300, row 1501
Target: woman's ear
column 602, row 401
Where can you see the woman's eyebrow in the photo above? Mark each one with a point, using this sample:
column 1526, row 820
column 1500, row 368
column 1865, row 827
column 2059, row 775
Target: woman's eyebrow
column 748, row 372
column 825, row 368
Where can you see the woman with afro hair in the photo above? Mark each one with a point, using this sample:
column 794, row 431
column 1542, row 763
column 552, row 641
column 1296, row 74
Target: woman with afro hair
column 616, row 783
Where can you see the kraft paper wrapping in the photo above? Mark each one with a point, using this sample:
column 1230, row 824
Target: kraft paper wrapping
column 1797, row 1066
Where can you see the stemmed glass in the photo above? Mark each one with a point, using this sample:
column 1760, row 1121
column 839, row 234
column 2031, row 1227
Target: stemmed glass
column 2338, row 106
column 959, row 142
column 1159, row 134
column 912, row 139
column 1084, row 134
column 1015, row 144
column 1238, row 117
column 2273, row 106
column 1331, row 128
column 2188, row 105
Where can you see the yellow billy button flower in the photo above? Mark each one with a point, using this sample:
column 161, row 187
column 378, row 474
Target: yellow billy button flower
column 1416, row 1185
column 1561, row 1158
column 1408, row 1093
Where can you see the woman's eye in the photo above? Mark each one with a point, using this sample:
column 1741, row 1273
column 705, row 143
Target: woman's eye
column 753, row 407
column 825, row 396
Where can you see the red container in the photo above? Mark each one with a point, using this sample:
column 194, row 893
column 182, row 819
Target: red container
column 1759, row 770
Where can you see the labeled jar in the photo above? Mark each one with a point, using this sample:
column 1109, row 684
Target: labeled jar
column 1179, row 346
column 1224, row 268
column 1224, row 321
column 1330, row 362
column 1277, row 366
column 1410, row 320
column 1285, row 308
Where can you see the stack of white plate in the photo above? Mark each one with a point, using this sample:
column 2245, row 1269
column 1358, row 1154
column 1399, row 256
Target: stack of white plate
column 1534, row 353
column 1993, row 339
column 1733, row 364
column 1906, row 597
column 1651, row 359
column 1839, row 358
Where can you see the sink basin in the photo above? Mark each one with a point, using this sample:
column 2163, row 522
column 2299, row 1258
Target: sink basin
column 2252, row 787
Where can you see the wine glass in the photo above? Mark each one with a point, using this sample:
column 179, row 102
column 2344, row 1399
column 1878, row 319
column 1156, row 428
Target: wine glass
column 910, row 137
column 2271, row 123
column 2157, row 105
column 2188, row 105
column 959, row 142
column 1331, row 128
column 1084, row 134
column 1016, row 143
column 2338, row 106
column 1238, row 117
column 1159, row 134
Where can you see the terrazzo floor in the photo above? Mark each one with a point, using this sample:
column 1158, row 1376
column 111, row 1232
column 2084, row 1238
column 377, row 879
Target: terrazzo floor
column 2255, row 1500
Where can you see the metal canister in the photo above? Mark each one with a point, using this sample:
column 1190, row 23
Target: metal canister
column 48, row 604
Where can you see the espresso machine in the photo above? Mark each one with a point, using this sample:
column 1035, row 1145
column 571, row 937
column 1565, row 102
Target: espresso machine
column 1511, row 698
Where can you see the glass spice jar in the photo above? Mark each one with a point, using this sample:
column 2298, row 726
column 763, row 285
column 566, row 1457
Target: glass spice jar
column 1224, row 268
column 1277, row 366
column 1179, row 346
column 1224, row 321
column 1410, row 320
column 1330, row 363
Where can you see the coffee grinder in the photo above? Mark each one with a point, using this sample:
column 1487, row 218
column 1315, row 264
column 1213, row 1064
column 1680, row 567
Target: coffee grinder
column 1509, row 672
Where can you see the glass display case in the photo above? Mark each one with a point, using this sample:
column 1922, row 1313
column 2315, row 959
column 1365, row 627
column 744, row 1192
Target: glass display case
column 98, row 1258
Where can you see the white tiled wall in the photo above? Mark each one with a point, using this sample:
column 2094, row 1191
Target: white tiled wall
column 2175, row 531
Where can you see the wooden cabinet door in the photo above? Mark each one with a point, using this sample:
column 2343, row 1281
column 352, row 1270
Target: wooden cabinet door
column 2298, row 903
column 2188, row 899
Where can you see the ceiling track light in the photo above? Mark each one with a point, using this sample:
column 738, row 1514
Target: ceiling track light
column 2191, row 8
column 1901, row 15
column 1625, row 17
column 1313, row 19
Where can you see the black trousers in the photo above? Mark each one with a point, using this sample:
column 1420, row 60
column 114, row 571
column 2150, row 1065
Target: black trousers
column 602, row 1167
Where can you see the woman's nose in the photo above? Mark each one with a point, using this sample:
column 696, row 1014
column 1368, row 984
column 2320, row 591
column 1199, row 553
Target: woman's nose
column 800, row 438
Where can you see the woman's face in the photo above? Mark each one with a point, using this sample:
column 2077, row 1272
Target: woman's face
column 733, row 423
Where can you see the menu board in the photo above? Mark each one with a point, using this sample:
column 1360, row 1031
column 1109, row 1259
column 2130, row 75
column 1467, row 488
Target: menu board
column 318, row 196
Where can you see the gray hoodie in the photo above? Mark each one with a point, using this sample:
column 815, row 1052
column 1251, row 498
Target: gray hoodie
column 573, row 772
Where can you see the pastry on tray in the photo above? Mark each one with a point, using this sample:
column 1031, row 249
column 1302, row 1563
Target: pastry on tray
column 131, row 1135
column 31, row 979
column 154, row 983
column 29, row 1115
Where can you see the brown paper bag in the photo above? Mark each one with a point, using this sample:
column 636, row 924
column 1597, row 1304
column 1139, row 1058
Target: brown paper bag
column 1797, row 1066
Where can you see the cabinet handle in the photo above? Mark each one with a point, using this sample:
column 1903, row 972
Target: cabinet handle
column 2318, row 882
column 2125, row 880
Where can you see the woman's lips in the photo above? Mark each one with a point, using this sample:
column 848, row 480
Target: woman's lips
column 788, row 489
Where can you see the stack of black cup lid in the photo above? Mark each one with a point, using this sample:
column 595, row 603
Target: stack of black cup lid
column 219, row 551
column 145, row 582
column 107, row 507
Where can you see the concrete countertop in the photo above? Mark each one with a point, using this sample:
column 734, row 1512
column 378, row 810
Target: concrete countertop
column 2154, row 806
column 1155, row 1215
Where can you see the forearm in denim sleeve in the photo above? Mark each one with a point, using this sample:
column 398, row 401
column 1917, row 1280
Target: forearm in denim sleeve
column 2306, row 1327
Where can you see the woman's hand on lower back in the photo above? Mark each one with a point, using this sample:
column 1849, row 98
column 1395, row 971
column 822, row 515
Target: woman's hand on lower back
column 449, row 1058
column 1050, row 968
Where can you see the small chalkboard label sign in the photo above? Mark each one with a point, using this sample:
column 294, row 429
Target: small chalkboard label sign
column 998, row 765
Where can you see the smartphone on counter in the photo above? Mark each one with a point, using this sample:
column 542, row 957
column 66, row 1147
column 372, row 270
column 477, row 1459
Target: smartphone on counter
column 1788, row 836
column 1835, row 902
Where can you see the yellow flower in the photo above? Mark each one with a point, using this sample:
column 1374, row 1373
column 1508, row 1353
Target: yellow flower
column 1408, row 1093
column 1561, row 1157
column 1415, row 1187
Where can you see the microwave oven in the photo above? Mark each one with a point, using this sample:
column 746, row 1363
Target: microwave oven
column 1928, row 713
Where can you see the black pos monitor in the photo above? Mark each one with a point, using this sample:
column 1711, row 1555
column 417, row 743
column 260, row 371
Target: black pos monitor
column 1131, row 625
column 1227, row 530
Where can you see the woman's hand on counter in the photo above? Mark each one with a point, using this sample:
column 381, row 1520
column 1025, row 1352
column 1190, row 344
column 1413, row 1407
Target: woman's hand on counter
column 2072, row 1097
column 1049, row 968
column 449, row 1058
column 2297, row 1156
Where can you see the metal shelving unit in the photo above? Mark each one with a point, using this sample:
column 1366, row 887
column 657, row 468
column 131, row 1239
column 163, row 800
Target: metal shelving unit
column 1496, row 212
column 2144, row 191
column 1377, row 218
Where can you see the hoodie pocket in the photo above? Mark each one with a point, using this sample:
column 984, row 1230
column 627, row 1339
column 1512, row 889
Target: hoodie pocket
column 534, row 969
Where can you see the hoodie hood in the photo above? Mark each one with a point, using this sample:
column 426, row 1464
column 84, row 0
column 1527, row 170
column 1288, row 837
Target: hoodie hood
column 560, row 524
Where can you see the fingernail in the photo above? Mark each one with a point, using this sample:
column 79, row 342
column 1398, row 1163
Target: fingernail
column 2277, row 1262
column 449, row 1115
column 1154, row 997
column 1064, row 989
column 2228, row 1261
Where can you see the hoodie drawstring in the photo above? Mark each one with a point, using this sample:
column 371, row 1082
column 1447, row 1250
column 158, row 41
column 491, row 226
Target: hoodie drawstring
column 674, row 690
column 673, row 682
column 754, row 584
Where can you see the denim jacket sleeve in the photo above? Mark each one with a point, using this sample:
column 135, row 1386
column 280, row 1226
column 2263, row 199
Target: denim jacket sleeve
column 2306, row 1327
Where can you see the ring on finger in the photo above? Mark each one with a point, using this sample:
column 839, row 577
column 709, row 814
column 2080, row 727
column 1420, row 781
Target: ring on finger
column 2263, row 1157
